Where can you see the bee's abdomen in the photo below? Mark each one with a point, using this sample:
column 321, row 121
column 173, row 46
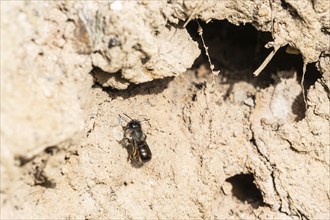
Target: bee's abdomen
column 144, row 152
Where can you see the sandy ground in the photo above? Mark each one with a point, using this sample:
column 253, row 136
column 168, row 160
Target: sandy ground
column 232, row 146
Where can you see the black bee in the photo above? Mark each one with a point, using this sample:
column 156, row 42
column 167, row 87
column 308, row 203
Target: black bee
column 135, row 142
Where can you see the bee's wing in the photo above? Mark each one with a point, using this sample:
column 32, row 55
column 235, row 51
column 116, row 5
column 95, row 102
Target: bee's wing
column 144, row 137
column 134, row 147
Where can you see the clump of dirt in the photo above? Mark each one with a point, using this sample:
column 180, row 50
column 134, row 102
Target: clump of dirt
column 227, row 146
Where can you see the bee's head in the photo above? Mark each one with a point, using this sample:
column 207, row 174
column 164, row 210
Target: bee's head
column 134, row 124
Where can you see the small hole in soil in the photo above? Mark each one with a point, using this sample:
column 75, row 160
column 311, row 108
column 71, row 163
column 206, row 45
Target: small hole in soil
column 245, row 190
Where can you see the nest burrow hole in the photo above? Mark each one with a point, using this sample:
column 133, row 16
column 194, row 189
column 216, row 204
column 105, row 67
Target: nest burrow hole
column 237, row 51
column 244, row 189
column 242, row 48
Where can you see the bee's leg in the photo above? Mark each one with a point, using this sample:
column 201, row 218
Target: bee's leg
column 129, row 157
column 123, row 142
column 134, row 153
column 137, row 157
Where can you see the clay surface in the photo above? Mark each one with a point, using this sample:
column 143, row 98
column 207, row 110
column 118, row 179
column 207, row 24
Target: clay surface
column 231, row 146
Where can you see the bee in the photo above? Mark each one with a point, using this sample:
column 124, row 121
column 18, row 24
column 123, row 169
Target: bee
column 134, row 141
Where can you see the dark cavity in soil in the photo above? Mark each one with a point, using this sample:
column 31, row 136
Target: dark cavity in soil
column 245, row 190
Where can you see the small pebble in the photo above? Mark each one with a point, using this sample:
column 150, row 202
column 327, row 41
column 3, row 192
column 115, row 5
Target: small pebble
column 249, row 102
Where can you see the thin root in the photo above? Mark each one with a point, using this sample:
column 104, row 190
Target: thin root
column 200, row 32
column 266, row 61
column 302, row 84
column 191, row 15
